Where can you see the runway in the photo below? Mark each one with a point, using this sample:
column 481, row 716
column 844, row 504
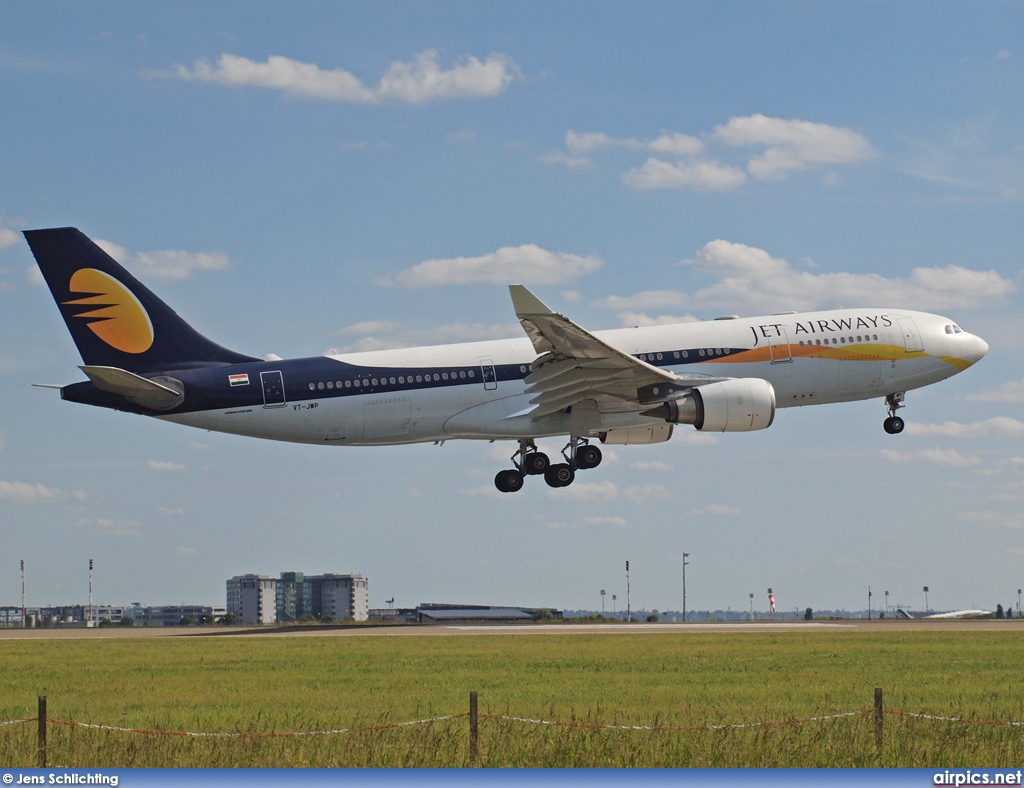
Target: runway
column 837, row 627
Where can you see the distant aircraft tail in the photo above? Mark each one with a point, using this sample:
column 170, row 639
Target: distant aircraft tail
column 113, row 318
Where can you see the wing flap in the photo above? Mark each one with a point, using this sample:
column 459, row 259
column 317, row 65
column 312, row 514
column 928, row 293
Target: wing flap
column 574, row 365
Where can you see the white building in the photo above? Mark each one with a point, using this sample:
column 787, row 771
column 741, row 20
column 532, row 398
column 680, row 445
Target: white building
column 253, row 599
column 342, row 596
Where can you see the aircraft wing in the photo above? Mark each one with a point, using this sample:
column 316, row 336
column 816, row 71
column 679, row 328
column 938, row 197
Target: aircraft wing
column 574, row 365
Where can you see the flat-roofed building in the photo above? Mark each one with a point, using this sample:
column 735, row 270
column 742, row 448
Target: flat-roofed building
column 252, row 599
column 175, row 615
column 340, row 596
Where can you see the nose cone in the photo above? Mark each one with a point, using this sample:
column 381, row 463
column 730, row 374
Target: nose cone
column 976, row 350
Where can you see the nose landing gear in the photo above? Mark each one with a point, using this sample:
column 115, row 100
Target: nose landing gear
column 894, row 424
column 578, row 454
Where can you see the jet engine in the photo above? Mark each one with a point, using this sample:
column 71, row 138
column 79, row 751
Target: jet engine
column 735, row 405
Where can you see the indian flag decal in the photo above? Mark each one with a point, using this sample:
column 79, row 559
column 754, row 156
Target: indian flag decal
column 238, row 380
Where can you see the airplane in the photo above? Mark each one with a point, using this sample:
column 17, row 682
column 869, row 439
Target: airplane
column 621, row 386
column 954, row 615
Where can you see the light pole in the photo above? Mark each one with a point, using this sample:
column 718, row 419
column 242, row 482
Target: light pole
column 887, row 603
column 629, row 610
column 926, row 600
column 685, row 556
column 24, row 623
column 90, row 594
column 751, row 605
column 869, row 603
column 602, row 603
column 1018, row 603
column 614, row 597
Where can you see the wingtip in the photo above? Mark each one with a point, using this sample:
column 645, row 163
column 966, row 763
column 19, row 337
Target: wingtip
column 526, row 303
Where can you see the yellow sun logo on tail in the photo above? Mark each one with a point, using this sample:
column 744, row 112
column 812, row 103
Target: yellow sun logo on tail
column 120, row 320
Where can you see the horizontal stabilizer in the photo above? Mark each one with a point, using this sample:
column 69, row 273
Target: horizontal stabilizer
column 163, row 393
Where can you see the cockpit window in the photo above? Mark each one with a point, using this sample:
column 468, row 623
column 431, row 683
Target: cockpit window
column 957, row 329
column 949, row 329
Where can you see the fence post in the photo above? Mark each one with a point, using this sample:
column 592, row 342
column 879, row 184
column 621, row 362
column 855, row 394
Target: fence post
column 41, row 750
column 473, row 730
column 879, row 718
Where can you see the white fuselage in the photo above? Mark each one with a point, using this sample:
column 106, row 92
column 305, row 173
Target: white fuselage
column 808, row 358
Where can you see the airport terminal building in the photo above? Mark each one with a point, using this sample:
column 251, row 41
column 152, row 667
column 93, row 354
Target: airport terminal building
column 261, row 599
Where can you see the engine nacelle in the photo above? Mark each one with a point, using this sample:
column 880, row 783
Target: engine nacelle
column 737, row 405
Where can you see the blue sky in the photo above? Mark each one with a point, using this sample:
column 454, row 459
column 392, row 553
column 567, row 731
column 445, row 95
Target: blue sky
column 299, row 178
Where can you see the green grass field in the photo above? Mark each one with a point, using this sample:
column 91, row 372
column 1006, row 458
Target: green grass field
column 275, row 685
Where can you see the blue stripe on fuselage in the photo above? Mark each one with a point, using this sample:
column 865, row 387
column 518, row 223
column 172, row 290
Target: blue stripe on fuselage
column 320, row 377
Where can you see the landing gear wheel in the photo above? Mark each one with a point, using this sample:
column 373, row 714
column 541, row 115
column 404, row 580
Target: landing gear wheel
column 535, row 463
column 893, row 425
column 588, row 457
column 560, row 475
column 509, row 481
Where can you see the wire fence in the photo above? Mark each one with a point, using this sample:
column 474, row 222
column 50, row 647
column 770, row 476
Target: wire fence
column 878, row 711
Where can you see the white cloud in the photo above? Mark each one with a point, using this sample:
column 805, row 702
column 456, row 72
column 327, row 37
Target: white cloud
column 792, row 144
column 8, row 237
column 994, row 519
column 1011, row 466
column 186, row 551
column 653, row 465
column 370, row 327
column 199, row 446
column 628, row 319
column 34, row 276
column 1004, row 54
column 676, row 144
column 23, row 492
column 621, row 522
column 572, row 162
column 715, row 510
column 588, row 492
column 645, row 492
column 410, row 336
column 166, row 264
column 932, row 456
column 159, row 465
column 1012, row 391
column 416, row 82
column 527, row 263
column 692, row 437
column 171, row 512
column 107, row 526
column 999, row 426
column 701, row 175
column 751, row 278
column 686, row 161
column 648, row 299
column 466, row 135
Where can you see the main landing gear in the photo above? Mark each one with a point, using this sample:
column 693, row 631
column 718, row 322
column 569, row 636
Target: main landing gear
column 579, row 455
column 894, row 424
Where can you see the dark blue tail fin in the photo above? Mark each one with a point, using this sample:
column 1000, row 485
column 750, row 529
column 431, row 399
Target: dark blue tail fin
column 113, row 318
